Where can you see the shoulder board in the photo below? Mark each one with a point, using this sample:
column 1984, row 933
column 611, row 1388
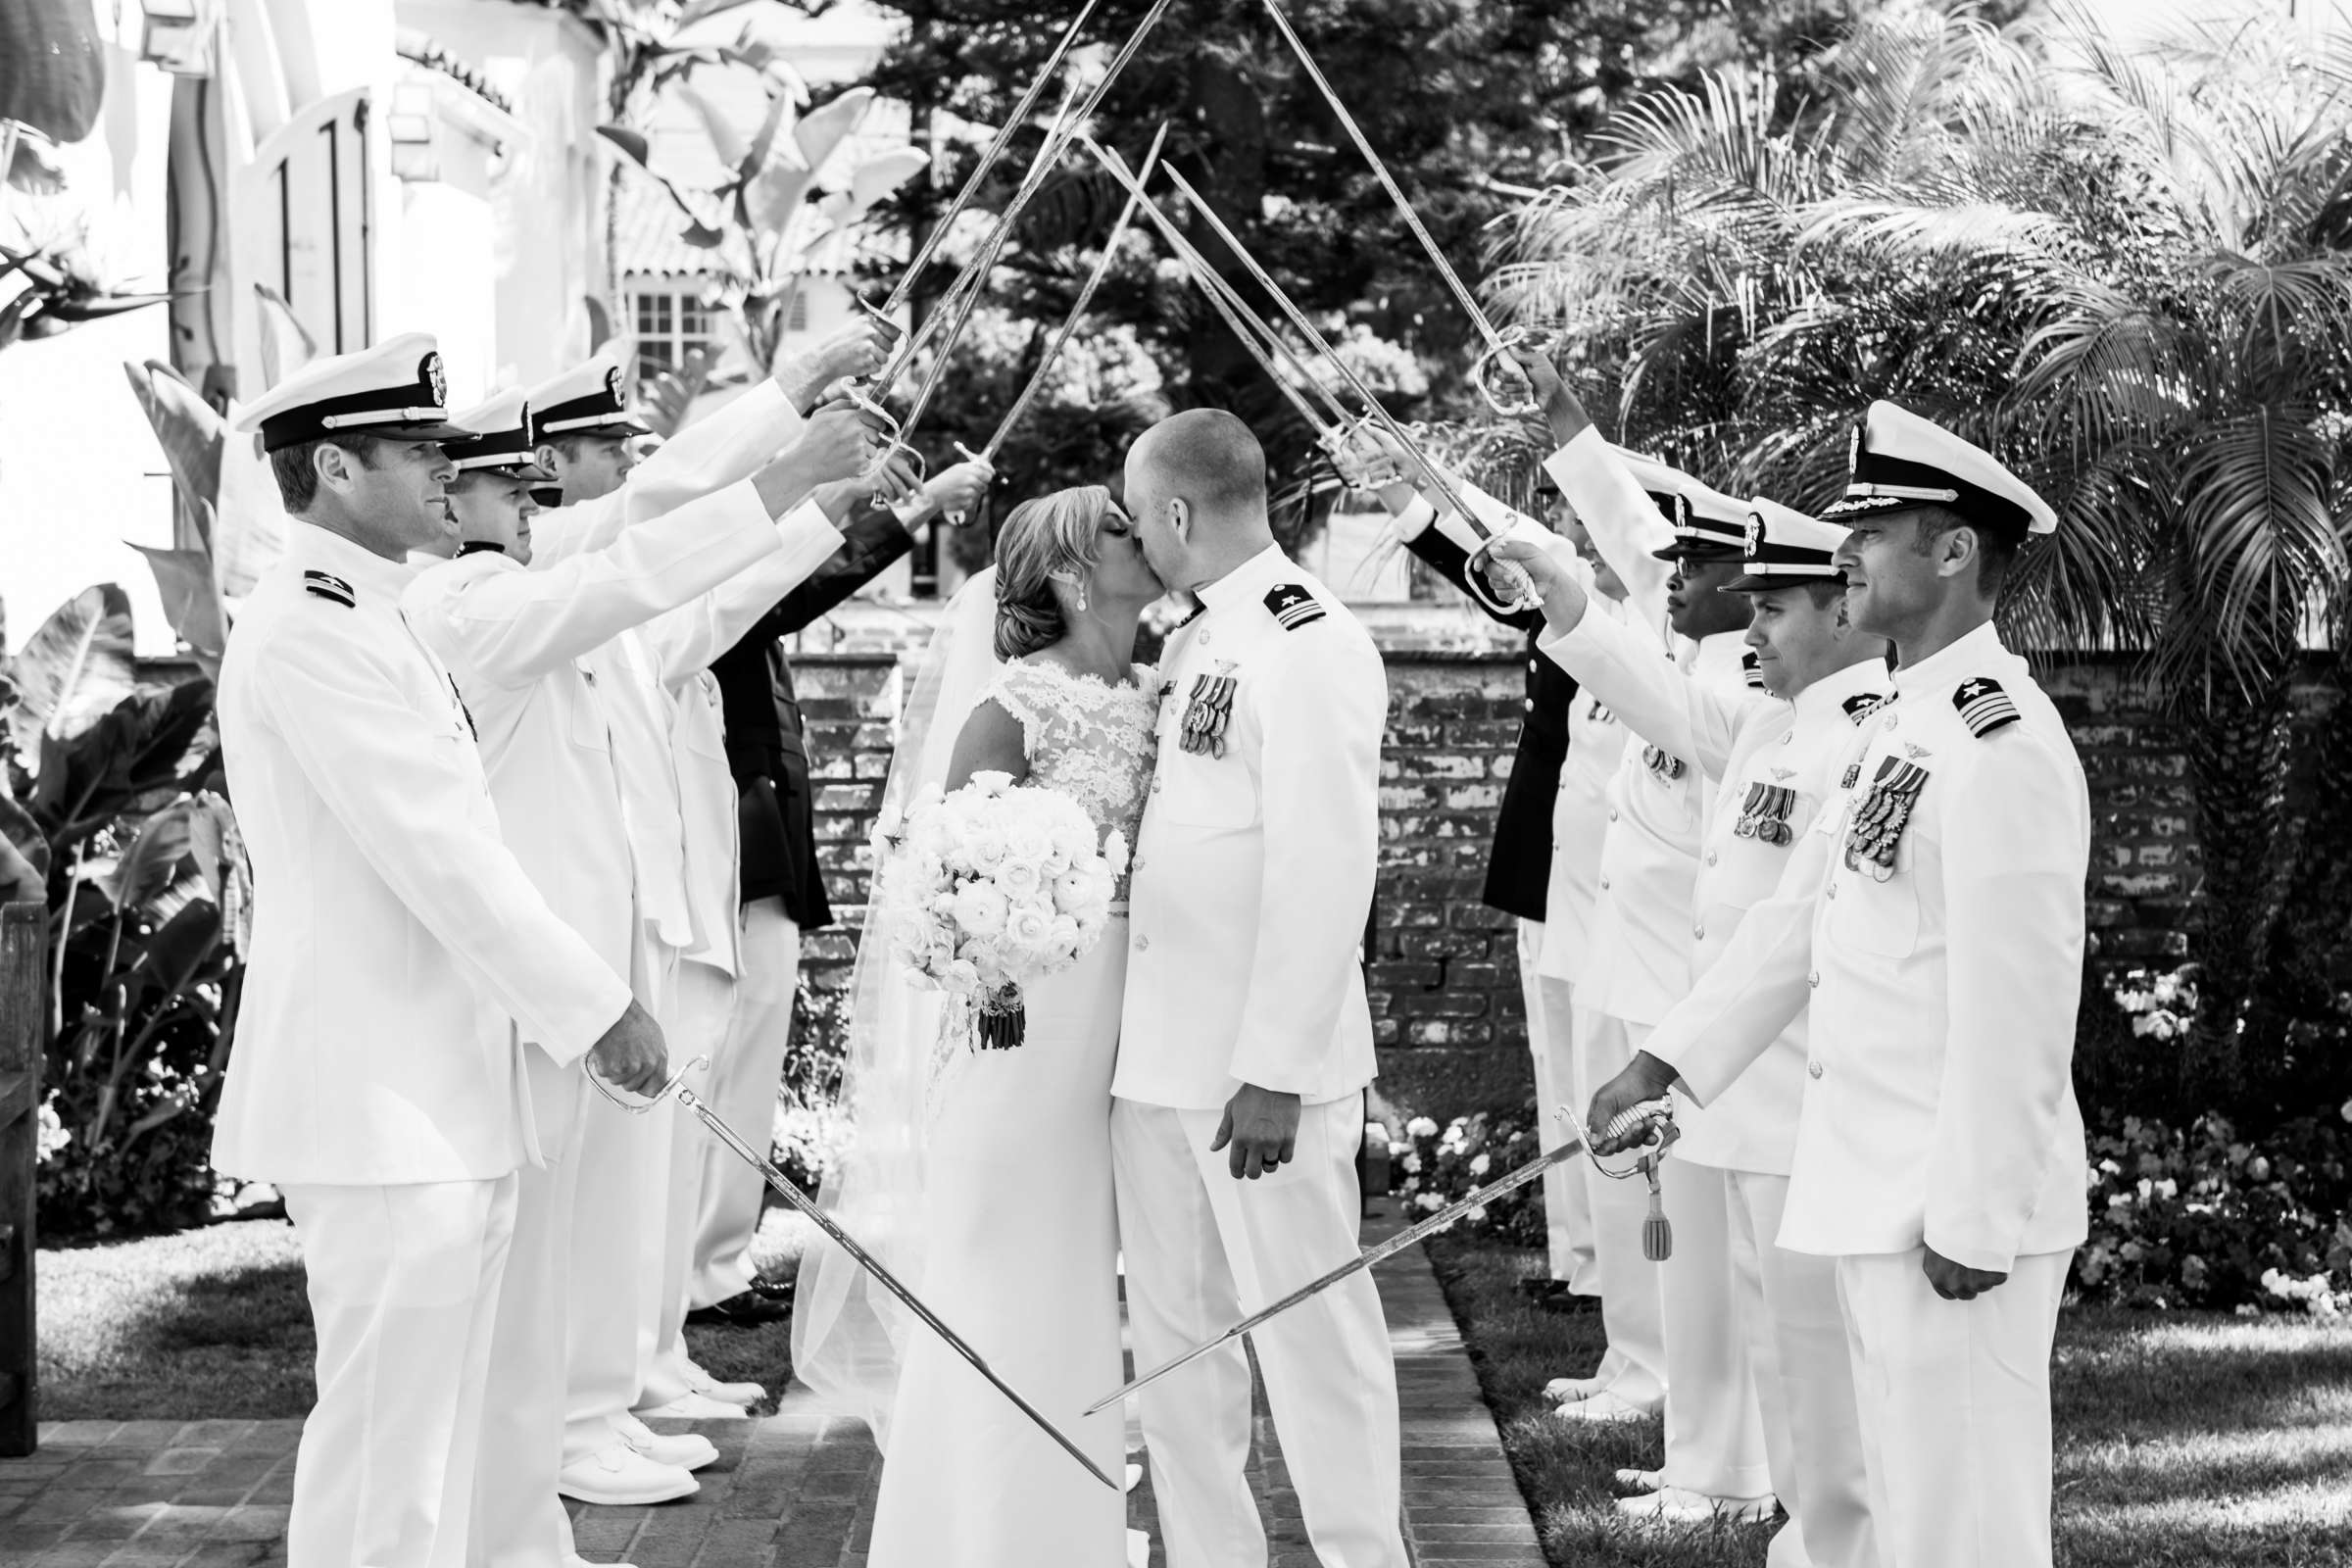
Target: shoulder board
column 1862, row 705
column 1983, row 705
column 476, row 547
column 1292, row 606
column 1198, row 610
column 1752, row 669
column 327, row 585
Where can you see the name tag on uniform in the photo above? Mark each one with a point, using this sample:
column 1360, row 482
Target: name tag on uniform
column 1208, row 712
column 1876, row 829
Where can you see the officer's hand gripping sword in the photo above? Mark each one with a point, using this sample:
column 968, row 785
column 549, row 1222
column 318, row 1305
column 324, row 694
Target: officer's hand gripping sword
column 1497, row 354
column 1656, row 1114
column 842, row 1239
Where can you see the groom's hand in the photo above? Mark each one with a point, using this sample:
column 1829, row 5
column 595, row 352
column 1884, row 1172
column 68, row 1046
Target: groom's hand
column 1261, row 1126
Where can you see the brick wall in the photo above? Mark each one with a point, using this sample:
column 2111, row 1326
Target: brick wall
column 1444, row 981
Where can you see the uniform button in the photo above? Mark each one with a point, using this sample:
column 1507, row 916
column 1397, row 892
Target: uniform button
column 1833, row 890
column 1813, row 979
column 588, row 675
column 1155, row 786
column 1534, row 667
column 1204, row 636
column 1604, row 884
column 1529, row 703
column 1785, row 739
column 1814, row 1068
column 1710, row 857
column 1699, row 931
column 1143, row 944
column 1612, row 814
column 1894, row 719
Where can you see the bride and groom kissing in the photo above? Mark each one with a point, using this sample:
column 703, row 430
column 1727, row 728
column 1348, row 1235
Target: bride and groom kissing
column 1189, row 1096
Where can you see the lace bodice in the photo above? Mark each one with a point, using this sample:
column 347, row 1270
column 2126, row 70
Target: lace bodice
column 1091, row 740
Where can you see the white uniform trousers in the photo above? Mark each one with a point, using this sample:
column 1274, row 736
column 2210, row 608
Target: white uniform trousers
column 617, row 1214
column 1714, row 1435
column 518, row 1520
column 1202, row 1248
column 1787, row 1302
column 404, row 1284
column 1954, row 1398
column 1631, row 1306
column 706, row 1002
column 1552, row 1042
column 743, row 1090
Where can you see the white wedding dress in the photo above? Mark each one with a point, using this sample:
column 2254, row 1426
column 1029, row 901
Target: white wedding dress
column 1020, row 1236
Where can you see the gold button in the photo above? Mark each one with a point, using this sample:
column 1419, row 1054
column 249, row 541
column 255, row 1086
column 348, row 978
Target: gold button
column 1699, row 931
column 1813, row 1067
column 1833, row 890
column 1604, row 884
column 1204, row 636
column 1710, row 857
column 1612, row 814
column 1894, row 719
column 1785, row 739
column 1155, row 786
column 1143, row 944
column 1534, row 667
column 1813, row 979
column 1529, row 703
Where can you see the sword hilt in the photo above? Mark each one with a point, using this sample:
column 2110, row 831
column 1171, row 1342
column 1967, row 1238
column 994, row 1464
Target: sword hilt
column 1498, row 358
column 638, row 1108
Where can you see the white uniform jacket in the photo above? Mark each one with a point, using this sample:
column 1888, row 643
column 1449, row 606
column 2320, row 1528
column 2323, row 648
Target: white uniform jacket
column 1580, row 820
column 1777, row 764
column 1257, row 852
column 683, row 644
column 1934, row 920
column 396, row 941
column 524, row 646
column 724, row 447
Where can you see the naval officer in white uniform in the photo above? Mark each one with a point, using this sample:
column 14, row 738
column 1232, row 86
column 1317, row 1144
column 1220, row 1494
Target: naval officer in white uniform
column 378, row 1077
column 1778, row 766
column 1933, row 923
column 1245, row 1043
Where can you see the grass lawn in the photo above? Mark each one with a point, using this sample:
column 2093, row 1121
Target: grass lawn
column 213, row 1324
column 2182, row 1440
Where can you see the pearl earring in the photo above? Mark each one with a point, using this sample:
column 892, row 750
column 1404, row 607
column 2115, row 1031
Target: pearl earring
column 1082, row 599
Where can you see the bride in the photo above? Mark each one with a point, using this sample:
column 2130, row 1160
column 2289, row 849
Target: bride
column 983, row 1178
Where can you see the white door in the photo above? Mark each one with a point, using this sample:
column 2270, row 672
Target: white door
column 303, row 221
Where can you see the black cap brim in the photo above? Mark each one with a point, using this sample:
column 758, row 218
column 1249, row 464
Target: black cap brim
column 442, row 430
column 1703, row 554
column 1751, row 584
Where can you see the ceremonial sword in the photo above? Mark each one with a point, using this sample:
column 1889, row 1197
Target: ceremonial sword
column 1657, row 1113
column 1512, row 588
column 1260, row 340
column 1498, row 346
column 842, row 1239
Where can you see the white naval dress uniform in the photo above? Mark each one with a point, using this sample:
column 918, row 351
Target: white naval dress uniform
column 1254, row 874
column 378, row 1078
column 620, row 1244
column 522, row 644
column 1943, row 966
column 1740, row 1310
column 684, row 644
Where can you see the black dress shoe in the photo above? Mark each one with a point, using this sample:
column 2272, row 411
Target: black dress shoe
column 766, row 1301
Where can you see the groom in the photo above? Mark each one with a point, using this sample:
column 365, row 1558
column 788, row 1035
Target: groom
column 1246, row 1042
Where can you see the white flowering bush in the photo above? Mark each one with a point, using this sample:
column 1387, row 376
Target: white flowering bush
column 993, row 886
column 2162, row 1004
column 1431, row 1166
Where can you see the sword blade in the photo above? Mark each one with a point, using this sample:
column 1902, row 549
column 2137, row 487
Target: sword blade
column 1070, row 324
column 1412, row 218
column 842, row 1239
column 1356, row 1265
column 1014, row 122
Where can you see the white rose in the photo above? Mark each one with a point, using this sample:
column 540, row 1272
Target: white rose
column 981, row 911
column 1020, row 879
column 1065, row 932
column 1027, row 841
column 1028, row 926
column 990, row 783
column 1073, row 891
column 1114, row 851
column 985, row 850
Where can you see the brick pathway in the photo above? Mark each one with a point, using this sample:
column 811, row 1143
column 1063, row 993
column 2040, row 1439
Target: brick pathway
column 793, row 1491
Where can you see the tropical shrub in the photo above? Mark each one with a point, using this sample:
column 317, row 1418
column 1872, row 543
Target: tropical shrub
column 112, row 791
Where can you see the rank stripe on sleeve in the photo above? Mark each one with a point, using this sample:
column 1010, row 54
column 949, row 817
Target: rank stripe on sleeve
column 1983, row 705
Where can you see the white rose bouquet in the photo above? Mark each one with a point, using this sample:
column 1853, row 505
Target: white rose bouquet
column 990, row 886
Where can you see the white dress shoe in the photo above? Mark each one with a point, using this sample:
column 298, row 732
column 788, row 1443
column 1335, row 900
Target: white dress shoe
column 696, row 1407
column 1570, row 1391
column 620, row 1477
column 687, row 1450
column 1673, row 1506
column 1135, row 1476
column 704, row 1383
column 1642, row 1480
column 1602, row 1409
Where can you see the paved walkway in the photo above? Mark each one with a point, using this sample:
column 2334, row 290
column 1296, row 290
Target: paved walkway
column 793, row 1491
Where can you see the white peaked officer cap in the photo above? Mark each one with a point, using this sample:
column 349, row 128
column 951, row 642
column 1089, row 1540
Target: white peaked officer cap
column 1899, row 460
column 589, row 399
column 394, row 390
column 1785, row 548
column 1708, row 525
column 505, row 440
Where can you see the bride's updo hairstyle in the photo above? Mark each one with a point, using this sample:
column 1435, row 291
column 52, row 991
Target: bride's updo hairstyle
column 1058, row 533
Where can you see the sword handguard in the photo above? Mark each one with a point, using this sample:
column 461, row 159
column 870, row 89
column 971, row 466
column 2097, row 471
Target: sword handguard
column 1498, row 358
